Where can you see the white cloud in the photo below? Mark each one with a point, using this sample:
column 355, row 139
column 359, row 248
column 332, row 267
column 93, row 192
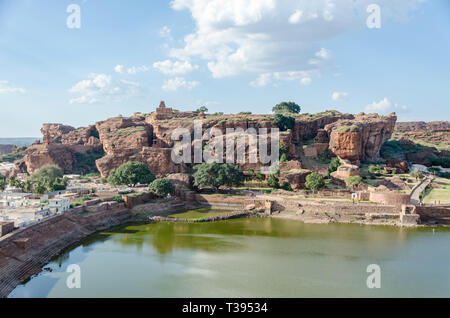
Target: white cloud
column 131, row 70
column 119, row 69
column 175, row 68
column 250, row 36
column 338, row 96
column 324, row 54
column 262, row 80
column 177, row 83
column 102, row 86
column 7, row 88
column 385, row 106
column 295, row 17
column 306, row 80
column 164, row 32
column 382, row 106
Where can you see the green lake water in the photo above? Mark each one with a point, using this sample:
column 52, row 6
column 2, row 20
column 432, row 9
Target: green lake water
column 256, row 257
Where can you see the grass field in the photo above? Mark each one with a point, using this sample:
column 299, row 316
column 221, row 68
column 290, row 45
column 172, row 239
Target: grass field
column 440, row 192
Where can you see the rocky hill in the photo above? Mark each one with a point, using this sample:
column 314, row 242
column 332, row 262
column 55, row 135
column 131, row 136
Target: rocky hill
column 434, row 134
column 147, row 138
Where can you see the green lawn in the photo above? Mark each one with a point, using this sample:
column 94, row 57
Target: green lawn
column 198, row 213
column 440, row 192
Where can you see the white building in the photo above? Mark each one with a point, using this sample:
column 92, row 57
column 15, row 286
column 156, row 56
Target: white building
column 58, row 205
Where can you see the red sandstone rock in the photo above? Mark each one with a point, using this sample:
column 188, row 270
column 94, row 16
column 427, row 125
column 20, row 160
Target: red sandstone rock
column 360, row 138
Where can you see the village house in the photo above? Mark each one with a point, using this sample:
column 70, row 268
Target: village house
column 59, row 205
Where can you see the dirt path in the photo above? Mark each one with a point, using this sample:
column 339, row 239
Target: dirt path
column 415, row 195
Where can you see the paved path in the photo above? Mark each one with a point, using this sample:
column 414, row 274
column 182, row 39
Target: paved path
column 415, row 195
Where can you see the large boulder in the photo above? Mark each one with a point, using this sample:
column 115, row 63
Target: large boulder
column 295, row 177
column 360, row 138
column 40, row 155
column 399, row 166
column 181, row 181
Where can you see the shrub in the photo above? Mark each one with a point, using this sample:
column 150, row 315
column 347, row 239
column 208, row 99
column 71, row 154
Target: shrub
column 286, row 186
column 131, row 173
column 286, row 107
column 314, row 181
column 161, row 187
column 216, row 175
column 353, row 181
column 334, row 165
column 118, row 198
column 273, row 181
column 284, row 122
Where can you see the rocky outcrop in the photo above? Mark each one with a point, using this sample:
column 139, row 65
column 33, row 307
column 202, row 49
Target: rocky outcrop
column 148, row 138
column 399, row 166
column 292, row 173
column 360, row 138
column 52, row 133
column 48, row 154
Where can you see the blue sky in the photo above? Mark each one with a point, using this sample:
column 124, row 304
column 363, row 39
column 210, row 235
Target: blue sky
column 231, row 55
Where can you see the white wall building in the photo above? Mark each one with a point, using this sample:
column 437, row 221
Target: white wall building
column 58, row 205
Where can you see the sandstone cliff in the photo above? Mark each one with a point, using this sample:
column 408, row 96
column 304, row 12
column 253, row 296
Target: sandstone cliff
column 147, row 138
column 360, row 138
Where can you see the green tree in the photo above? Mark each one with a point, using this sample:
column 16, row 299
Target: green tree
column 58, row 185
column 28, row 186
column 353, row 181
column 131, row 173
column 39, row 188
column 287, row 107
column 284, row 122
column 216, row 175
column 314, row 181
column 3, row 183
column 250, row 174
column 202, row 109
column 417, row 174
column 161, row 187
column 48, row 172
column 273, row 181
column 434, row 170
column 286, row 186
column 374, row 169
column 260, row 177
column 334, row 165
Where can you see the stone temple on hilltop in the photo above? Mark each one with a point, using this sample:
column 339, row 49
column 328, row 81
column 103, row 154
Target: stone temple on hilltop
column 163, row 112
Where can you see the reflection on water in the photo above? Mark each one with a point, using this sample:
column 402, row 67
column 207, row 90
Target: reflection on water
column 251, row 258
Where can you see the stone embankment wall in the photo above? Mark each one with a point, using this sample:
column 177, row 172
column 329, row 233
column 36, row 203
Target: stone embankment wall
column 396, row 199
column 434, row 214
column 24, row 252
column 334, row 207
column 221, row 201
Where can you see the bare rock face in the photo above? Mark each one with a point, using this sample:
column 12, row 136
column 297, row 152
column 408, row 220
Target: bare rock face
column 360, row 138
column 182, row 181
column 295, row 177
column 147, row 138
column 48, row 154
column 52, row 133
